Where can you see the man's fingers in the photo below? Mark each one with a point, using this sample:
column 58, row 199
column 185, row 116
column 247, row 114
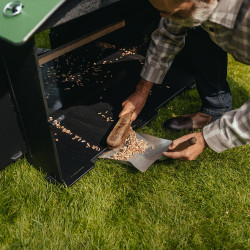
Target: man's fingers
column 179, row 155
column 126, row 111
column 180, row 140
column 173, row 155
column 124, row 103
column 172, row 145
column 133, row 117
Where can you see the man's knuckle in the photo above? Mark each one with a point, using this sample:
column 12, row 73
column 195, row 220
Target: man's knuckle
column 191, row 158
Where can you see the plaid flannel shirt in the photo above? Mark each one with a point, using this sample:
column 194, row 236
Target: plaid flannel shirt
column 229, row 28
column 231, row 130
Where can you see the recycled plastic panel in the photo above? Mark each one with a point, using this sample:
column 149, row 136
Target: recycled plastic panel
column 24, row 80
column 12, row 145
column 11, row 142
column 19, row 28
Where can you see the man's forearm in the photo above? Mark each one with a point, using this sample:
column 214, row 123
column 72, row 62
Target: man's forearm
column 144, row 87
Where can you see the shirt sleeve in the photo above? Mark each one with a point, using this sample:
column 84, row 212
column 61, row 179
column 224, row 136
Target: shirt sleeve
column 167, row 40
column 231, row 130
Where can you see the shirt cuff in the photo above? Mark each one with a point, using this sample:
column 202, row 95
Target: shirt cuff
column 214, row 138
column 153, row 74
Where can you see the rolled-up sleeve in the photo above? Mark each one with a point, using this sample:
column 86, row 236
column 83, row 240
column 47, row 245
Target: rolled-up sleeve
column 166, row 42
column 231, row 130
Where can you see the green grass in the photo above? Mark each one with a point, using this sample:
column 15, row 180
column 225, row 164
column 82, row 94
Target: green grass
column 202, row 204
column 42, row 39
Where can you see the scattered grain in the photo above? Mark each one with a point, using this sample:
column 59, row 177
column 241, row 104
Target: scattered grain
column 132, row 146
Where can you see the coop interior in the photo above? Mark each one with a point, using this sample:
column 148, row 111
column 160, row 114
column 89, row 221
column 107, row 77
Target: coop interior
column 84, row 90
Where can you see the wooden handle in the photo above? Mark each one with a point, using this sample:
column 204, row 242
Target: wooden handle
column 191, row 141
column 120, row 132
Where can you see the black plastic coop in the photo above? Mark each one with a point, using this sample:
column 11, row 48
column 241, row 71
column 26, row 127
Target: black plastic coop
column 58, row 106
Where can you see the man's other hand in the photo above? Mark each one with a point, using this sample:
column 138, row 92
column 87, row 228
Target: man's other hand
column 189, row 153
column 135, row 102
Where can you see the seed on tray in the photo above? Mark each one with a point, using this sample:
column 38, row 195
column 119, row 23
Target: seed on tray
column 132, row 146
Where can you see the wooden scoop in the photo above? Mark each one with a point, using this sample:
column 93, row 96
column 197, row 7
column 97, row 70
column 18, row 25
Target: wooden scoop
column 120, row 132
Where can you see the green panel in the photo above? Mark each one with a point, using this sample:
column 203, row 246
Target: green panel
column 19, row 28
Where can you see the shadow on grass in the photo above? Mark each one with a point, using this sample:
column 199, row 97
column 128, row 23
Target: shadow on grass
column 239, row 93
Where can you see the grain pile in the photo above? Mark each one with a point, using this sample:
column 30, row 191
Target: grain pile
column 74, row 137
column 132, row 146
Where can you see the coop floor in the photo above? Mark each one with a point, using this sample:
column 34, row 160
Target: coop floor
column 85, row 97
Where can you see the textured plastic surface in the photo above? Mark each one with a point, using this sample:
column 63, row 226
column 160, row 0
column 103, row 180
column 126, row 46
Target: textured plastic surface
column 73, row 9
column 19, row 28
column 11, row 142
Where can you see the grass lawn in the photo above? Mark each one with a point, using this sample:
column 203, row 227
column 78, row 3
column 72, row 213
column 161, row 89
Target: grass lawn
column 202, row 204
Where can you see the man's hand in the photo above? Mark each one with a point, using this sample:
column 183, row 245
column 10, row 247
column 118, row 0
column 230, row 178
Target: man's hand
column 135, row 102
column 189, row 153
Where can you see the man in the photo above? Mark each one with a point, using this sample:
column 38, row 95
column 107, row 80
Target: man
column 228, row 24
